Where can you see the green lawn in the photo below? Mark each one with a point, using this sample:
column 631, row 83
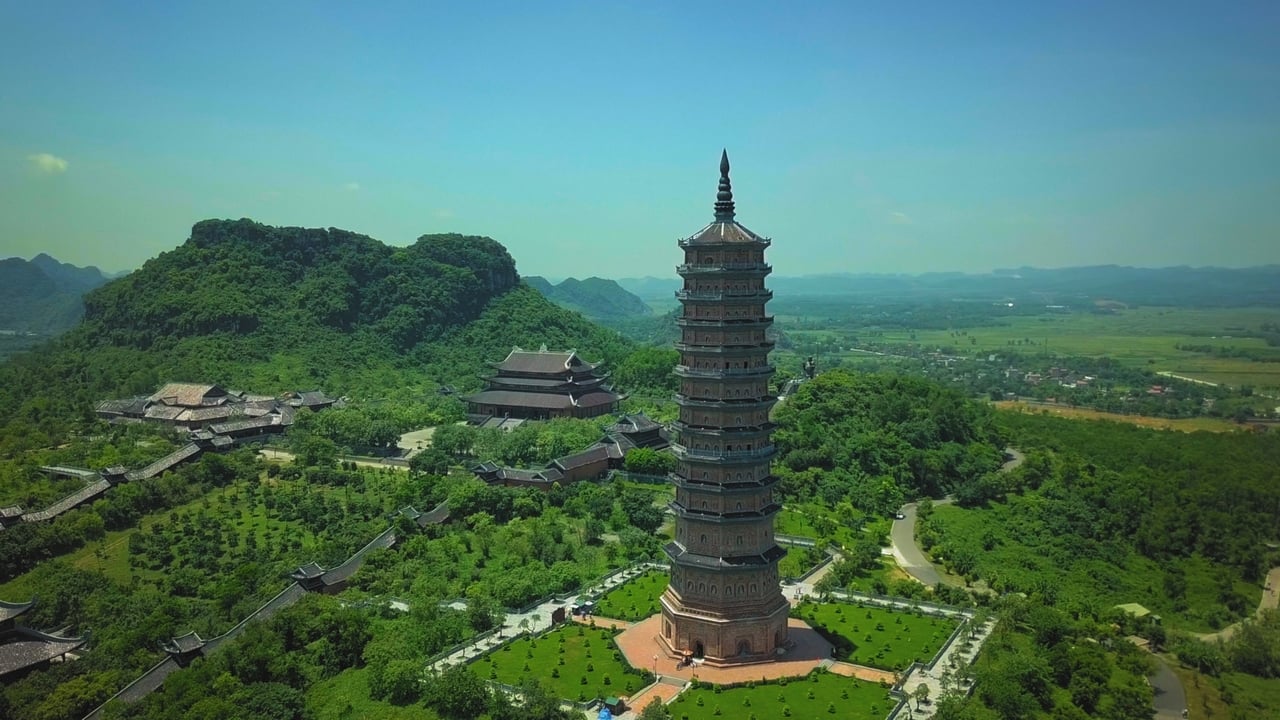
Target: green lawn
column 876, row 637
column 869, row 581
column 636, row 599
column 575, row 662
column 346, row 697
column 812, row 520
column 819, row 695
column 798, row 561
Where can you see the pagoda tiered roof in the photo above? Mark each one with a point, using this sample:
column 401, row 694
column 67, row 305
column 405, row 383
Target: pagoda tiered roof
column 544, row 384
column 544, row 362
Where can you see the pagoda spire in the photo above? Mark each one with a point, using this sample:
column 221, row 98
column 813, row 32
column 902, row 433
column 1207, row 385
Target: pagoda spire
column 724, row 198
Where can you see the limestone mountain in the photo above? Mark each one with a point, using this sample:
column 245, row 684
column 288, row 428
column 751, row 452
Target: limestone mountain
column 42, row 295
column 270, row 308
column 597, row 298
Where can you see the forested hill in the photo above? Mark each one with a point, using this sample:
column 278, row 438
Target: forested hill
column 879, row 440
column 594, row 297
column 42, row 295
column 267, row 309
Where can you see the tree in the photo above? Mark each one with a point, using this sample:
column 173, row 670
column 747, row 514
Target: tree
column 431, row 461
column 455, row 440
column 457, row 693
column 316, row 451
column 921, row 694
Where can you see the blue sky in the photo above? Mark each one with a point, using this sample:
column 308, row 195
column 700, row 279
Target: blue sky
column 895, row 137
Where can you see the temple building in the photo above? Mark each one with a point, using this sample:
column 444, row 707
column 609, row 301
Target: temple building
column 193, row 406
column 724, row 602
column 23, row 649
column 543, row 385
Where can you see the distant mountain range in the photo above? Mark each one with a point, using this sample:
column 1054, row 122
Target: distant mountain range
column 596, row 298
column 1208, row 286
column 42, row 295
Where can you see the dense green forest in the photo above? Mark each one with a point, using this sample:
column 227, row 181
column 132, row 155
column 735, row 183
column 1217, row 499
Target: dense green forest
column 877, row 440
column 1101, row 514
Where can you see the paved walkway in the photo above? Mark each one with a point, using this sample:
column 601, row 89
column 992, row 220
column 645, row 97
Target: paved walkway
column 640, row 645
column 663, row 692
column 283, row 456
column 956, row 656
column 862, row 672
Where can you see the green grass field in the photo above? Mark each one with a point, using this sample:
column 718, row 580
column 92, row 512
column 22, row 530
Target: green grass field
column 636, row 599
column 876, row 637
column 797, row 562
column 575, row 662
column 346, row 697
column 819, row 695
column 812, row 520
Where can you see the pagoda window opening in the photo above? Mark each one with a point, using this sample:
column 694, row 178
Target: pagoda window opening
column 754, row 588
column 704, row 537
column 713, row 589
column 702, row 587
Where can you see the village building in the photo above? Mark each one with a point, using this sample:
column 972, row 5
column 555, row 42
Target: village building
column 724, row 602
column 23, row 649
column 542, row 385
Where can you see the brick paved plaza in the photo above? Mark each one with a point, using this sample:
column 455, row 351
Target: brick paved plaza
column 640, row 645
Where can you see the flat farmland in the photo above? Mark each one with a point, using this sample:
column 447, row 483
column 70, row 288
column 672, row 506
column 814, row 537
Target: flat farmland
column 1209, row 424
column 1146, row 337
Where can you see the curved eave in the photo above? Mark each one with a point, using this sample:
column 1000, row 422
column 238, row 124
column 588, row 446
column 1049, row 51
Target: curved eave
column 685, row 513
column 724, row 349
column 724, row 233
column 726, row 488
column 679, row 555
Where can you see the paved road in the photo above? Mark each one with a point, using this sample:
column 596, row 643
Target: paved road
column 1169, row 699
column 283, row 456
column 903, row 535
column 1270, row 600
column 905, row 550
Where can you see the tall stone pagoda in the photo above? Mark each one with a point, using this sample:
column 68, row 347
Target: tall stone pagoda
column 724, row 603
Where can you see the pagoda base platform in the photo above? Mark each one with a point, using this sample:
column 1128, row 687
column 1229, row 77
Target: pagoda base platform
column 643, row 647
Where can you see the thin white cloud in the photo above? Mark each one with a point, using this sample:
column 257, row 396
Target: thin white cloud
column 900, row 218
column 351, row 187
column 48, row 164
column 442, row 213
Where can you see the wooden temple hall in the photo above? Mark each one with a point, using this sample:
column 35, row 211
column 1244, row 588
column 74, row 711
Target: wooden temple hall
column 542, row 385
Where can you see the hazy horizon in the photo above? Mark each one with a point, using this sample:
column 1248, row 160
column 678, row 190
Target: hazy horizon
column 585, row 137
